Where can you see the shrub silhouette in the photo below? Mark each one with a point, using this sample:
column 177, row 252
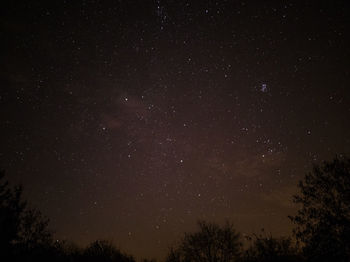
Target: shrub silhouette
column 211, row 243
column 323, row 220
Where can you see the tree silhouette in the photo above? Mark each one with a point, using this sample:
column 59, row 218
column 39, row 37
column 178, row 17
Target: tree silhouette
column 323, row 220
column 11, row 209
column 211, row 243
column 265, row 248
column 21, row 229
column 105, row 251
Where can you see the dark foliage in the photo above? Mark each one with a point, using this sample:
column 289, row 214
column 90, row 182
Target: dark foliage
column 265, row 248
column 323, row 221
column 211, row 243
column 24, row 235
column 322, row 230
column 104, row 251
column 23, row 231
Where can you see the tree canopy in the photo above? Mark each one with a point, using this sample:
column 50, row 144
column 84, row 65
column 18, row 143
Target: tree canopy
column 322, row 228
column 22, row 229
column 212, row 243
column 323, row 220
column 265, row 248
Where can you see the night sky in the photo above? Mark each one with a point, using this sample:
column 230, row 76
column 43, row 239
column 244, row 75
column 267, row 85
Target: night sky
column 130, row 120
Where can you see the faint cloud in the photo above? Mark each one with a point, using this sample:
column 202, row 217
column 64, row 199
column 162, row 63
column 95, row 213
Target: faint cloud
column 112, row 122
column 249, row 166
column 125, row 111
column 281, row 197
column 258, row 164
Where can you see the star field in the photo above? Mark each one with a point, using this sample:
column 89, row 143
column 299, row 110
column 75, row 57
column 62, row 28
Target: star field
column 130, row 120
